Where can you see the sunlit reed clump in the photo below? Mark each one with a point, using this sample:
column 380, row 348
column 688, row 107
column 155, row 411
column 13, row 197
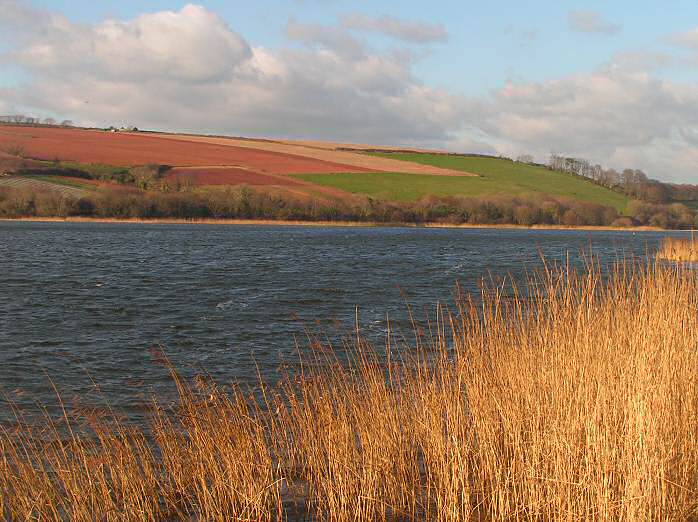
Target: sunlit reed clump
column 681, row 250
column 574, row 397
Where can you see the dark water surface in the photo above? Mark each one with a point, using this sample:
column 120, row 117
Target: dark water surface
column 82, row 302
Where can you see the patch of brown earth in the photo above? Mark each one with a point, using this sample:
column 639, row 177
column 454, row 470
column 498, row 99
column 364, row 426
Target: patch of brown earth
column 198, row 176
column 128, row 149
column 363, row 162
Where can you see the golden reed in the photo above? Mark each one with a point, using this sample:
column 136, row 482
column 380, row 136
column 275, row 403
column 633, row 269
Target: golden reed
column 573, row 397
column 681, row 250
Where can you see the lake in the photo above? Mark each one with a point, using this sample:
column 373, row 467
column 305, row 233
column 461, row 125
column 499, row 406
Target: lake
column 84, row 303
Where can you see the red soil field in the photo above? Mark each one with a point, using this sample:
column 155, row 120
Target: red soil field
column 326, row 153
column 10, row 163
column 121, row 149
column 227, row 176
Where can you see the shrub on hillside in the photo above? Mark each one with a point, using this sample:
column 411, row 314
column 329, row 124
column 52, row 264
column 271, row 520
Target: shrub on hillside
column 676, row 215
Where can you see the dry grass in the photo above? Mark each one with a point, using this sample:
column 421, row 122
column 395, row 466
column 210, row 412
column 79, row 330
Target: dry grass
column 575, row 399
column 681, row 250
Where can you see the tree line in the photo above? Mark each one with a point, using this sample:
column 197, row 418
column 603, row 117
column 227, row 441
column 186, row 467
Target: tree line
column 21, row 119
column 244, row 203
column 635, row 183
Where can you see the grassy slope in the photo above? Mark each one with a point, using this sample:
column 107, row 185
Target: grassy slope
column 497, row 176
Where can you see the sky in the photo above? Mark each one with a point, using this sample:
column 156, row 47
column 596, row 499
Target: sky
column 612, row 82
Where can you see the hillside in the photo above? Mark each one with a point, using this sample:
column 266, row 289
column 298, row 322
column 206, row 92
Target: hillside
column 313, row 169
column 495, row 176
column 156, row 175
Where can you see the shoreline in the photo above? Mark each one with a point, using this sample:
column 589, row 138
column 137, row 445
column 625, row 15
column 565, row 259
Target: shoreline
column 327, row 224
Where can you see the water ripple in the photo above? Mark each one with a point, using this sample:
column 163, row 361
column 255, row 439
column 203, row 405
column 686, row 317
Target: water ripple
column 85, row 302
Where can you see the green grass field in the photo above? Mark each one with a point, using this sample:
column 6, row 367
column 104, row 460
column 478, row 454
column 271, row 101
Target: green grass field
column 496, row 176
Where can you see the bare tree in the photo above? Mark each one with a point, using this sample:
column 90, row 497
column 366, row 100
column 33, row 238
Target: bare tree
column 557, row 162
column 610, row 178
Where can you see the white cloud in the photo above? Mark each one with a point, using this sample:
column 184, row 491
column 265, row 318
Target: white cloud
column 591, row 22
column 405, row 30
column 327, row 37
column 640, row 61
column 688, row 39
column 5, row 105
column 192, row 45
column 18, row 18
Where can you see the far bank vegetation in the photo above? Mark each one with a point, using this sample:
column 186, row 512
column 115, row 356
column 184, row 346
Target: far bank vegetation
column 242, row 202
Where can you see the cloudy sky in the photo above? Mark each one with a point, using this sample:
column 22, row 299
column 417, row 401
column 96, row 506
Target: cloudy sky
column 613, row 82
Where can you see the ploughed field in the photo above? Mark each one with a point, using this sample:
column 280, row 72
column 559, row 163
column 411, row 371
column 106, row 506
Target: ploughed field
column 316, row 170
column 205, row 153
column 198, row 176
column 129, row 149
column 346, row 155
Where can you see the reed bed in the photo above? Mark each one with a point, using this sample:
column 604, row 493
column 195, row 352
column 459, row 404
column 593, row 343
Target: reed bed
column 574, row 397
column 680, row 250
